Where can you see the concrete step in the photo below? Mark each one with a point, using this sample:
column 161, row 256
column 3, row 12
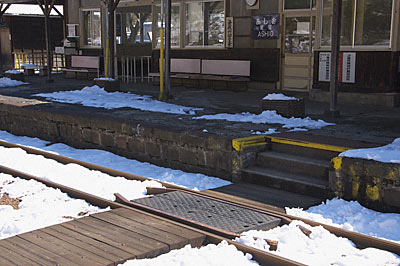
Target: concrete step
column 300, row 184
column 269, row 196
column 294, row 164
column 310, row 152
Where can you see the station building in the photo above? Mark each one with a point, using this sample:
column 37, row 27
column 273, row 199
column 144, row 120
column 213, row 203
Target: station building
column 287, row 41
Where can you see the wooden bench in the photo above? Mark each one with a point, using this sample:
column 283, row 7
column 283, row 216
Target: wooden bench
column 224, row 74
column 83, row 67
column 29, row 69
column 181, row 70
column 204, row 73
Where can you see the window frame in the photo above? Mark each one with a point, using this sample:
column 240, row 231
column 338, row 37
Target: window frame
column 82, row 28
column 353, row 46
column 300, row 9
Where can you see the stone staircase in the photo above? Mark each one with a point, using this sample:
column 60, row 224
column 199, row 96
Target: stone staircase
column 300, row 169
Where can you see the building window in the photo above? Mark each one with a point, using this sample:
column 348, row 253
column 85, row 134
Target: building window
column 175, row 25
column 91, row 30
column 299, row 4
column 138, row 27
column 204, row 23
column 364, row 22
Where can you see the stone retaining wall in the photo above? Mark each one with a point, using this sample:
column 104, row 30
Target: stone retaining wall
column 211, row 155
column 374, row 184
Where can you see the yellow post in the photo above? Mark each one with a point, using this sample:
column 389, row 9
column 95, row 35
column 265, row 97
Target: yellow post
column 19, row 61
column 107, row 56
column 161, row 64
column 15, row 61
column 23, row 58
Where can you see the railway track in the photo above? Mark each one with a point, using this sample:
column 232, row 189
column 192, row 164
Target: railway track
column 213, row 235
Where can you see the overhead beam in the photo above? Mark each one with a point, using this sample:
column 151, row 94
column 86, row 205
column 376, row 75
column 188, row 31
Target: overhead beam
column 32, row 2
column 3, row 10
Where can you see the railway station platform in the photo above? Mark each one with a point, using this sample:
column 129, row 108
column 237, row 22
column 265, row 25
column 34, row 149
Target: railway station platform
column 178, row 141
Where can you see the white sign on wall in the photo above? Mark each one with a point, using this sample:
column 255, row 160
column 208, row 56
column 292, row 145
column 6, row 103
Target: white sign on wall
column 72, row 30
column 324, row 73
column 349, row 68
column 229, row 32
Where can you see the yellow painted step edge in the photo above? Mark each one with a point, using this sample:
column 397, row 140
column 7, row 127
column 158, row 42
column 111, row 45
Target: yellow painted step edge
column 241, row 143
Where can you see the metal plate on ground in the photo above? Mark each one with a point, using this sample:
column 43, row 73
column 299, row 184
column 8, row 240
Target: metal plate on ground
column 214, row 213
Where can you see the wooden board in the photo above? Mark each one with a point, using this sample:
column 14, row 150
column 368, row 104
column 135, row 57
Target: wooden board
column 108, row 251
column 107, row 238
column 148, row 246
column 195, row 239
column 34, row 253
column 46, row 242
column 172, row 240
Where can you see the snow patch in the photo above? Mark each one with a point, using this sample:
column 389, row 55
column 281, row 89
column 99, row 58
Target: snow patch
column 386, row 154
column 279, row 96
column 95, row 96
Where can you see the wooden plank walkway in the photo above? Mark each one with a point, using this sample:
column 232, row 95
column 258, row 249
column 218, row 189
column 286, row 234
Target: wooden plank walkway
column 106, row 238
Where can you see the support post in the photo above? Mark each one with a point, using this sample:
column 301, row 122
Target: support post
column 162, row 52
column 107, row 55
column 168, row 50
column 112, row 5
column 336, row 33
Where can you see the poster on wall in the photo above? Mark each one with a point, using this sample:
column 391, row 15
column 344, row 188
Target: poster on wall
column 348, row 65
column 229, row 32
column 324, row 73
column 266, row 27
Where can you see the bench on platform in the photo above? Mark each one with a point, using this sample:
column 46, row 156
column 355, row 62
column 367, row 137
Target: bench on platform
column 83, row 67
column 204, row 73
column 29, row 69
column 181, row 68
column 224, row 74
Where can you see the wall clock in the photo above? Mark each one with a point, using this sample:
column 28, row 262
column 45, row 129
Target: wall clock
column 251, row 2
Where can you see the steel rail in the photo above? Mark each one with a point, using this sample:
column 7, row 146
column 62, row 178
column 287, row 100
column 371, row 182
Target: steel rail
column 215, row 237
column 360, row 240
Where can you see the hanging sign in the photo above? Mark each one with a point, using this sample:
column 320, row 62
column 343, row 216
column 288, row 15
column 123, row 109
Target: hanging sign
column 229, row 32
column 266, row 27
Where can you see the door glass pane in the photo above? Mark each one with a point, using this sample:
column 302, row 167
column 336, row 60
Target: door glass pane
column 297, row 4
column 297, row 35
column 373, row 22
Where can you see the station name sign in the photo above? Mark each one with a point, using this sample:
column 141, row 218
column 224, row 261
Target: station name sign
column 266, row 27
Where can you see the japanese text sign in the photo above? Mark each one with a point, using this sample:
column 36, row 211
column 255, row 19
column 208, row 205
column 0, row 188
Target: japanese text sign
column 266, row 27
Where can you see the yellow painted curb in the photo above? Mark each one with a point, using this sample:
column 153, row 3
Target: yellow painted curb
column 309, row 144
column 241, row 143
